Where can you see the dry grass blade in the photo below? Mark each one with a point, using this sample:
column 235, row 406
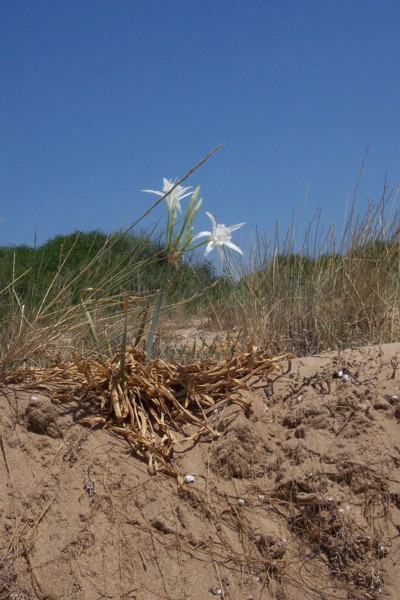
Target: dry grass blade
column 156, row 405
column 322, row 291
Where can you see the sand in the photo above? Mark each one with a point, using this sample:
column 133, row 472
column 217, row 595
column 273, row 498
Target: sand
column 297, row 499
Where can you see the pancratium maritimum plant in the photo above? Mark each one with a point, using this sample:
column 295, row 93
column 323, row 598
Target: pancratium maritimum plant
column 180, row 240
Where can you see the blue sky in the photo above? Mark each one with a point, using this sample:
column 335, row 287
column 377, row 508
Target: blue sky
column 100, row 99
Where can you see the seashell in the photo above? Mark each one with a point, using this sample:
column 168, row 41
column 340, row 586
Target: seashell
column 382, row 551
column 241, row 502
column 189, row 478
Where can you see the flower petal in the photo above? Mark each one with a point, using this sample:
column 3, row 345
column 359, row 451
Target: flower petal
column 212, row 219
column 210, row 246
column 161, row 194
column 234, row 227
column 220, row 254
column 233, row 247
column 202, row 234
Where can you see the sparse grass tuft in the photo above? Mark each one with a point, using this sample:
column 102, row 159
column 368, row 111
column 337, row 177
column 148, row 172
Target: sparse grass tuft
column 69, row 295
column 327, row 295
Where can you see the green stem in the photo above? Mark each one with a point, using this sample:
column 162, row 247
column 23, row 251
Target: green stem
column 203, row 243
column 123, row 343
column 92, row 330
column 156, row 312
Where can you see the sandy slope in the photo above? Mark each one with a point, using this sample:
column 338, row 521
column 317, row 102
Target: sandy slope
column 316, row 462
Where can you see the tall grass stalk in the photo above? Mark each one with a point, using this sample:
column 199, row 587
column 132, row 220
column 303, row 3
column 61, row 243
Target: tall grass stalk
column 31, row 332
column 322, row 293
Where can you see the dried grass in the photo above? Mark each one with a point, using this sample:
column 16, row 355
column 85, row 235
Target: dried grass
column 350, row 550
column 322, row 291
column 153, row 404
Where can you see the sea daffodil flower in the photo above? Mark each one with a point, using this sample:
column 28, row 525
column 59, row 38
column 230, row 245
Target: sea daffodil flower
column 218, row 237
column 173, row 199
column 178, row 242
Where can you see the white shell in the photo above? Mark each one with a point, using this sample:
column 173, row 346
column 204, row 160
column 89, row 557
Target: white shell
column 217, row 591
column 189, row 478
column 241, row 502
column 340, row 373
column 345, row 378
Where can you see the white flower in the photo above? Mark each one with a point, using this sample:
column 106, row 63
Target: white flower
column 218, row 237
column 173, row 199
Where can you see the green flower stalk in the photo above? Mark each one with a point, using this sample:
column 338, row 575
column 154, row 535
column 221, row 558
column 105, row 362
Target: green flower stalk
column 173, row 199
column 181, row 240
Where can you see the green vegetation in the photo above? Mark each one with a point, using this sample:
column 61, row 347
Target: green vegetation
column 329, row 294
column 135, row 262
column 47, row 292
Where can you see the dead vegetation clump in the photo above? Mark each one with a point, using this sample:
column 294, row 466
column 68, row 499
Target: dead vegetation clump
column 349, row 545
column 151, row 402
